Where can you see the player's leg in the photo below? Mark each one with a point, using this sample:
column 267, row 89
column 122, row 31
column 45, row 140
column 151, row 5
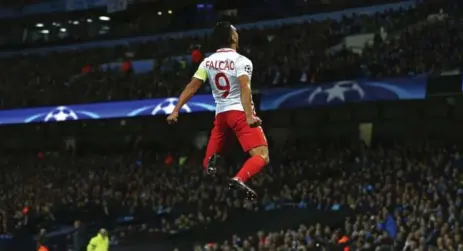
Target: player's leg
column 258, row 159
column 215, row 145
column 252, row 140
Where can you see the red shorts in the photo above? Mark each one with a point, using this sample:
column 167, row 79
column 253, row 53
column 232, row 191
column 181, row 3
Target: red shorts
column 235, row 121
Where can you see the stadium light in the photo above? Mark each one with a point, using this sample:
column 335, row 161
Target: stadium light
column 45, row 31
column 104, row 18
column 39, row 25
column 159, row 13
column 89, row 20
column 75, row 22
column 62, row 29
column 169, row 11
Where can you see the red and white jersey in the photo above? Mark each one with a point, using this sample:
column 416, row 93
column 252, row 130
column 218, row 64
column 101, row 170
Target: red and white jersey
column 223, row 69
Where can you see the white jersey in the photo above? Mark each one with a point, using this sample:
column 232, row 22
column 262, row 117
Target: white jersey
column 223, row 69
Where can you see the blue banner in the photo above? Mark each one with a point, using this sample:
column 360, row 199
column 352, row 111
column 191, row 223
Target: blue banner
column 345, row 91
column 125, row 109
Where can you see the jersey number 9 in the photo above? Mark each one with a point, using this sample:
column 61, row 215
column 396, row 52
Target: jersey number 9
column 224, row 86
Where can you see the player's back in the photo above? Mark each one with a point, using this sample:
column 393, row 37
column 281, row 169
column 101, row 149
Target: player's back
column 223, row 69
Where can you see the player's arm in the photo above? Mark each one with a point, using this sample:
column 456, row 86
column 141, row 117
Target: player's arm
column 244, row 72
column 246, row 95
column 191, row 88
column 92, row 244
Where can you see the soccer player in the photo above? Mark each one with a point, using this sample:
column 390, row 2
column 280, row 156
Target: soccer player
column 229, row 75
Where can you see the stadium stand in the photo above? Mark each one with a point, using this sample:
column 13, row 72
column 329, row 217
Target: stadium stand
column 406, row 202
column 327, row 188
column 389, row 195
column 279, row 61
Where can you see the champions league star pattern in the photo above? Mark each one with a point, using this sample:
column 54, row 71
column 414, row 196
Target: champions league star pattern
column 326, row 94
column 150, row 107
column 345, row 91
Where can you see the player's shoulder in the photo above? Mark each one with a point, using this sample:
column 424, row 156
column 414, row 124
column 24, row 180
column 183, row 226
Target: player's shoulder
column 241, row 59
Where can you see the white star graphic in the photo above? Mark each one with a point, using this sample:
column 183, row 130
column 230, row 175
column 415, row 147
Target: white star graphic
column 337, row 91
column 61, row 116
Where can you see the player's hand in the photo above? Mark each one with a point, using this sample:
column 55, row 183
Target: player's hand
column 254, row 121
column 172, row 118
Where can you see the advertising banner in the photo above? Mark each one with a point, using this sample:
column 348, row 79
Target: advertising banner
column 125, row 109
column 345, row 92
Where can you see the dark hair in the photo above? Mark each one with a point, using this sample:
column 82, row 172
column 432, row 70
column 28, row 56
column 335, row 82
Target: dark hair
column 222, row 34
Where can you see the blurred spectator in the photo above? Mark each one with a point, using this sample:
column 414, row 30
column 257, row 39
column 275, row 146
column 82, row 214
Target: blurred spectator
column 100, row 242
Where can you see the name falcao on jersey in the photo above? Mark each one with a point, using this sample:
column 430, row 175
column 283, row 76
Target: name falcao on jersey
column 220, row 65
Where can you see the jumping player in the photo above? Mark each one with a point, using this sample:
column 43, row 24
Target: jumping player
column 229, row 75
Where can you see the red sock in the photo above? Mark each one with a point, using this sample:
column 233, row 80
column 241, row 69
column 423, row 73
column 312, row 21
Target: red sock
column 251, row 167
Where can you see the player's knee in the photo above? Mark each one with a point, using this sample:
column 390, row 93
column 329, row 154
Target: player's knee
column 265, row 157
column 261, row 151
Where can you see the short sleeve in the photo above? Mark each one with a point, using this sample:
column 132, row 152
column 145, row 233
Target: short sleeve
column 243, row 67
column 94, row 241
column 201, row 72
column 92, row 244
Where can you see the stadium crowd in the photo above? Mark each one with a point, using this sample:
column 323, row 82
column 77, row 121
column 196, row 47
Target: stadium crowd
column 288, row 55
column 405, row 197
column 408, row 196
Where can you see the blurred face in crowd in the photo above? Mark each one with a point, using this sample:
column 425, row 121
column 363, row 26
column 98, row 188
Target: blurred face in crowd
column 104, row 232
